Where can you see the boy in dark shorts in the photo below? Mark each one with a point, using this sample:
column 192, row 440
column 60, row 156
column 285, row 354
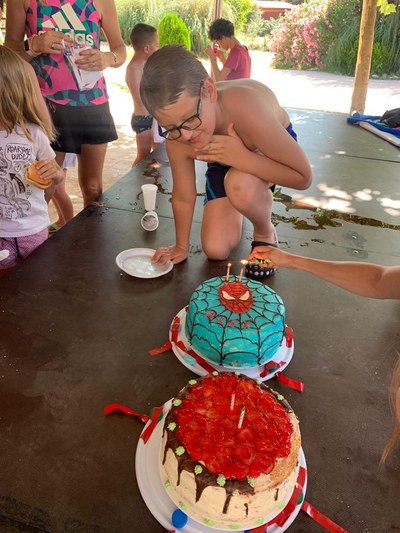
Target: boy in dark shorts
column 237, row 124
column 144, row 40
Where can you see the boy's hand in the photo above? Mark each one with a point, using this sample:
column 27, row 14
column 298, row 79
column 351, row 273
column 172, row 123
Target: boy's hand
column 224, row 149
column 174, row 253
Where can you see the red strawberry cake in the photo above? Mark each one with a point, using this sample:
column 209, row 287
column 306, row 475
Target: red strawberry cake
column 230, row 451
column 234, row 322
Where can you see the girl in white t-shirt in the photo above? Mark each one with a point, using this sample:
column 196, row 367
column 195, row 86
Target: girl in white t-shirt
column 24, row 139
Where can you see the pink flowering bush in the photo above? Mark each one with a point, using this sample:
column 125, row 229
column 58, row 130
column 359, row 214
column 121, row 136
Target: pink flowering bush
column 307, row 32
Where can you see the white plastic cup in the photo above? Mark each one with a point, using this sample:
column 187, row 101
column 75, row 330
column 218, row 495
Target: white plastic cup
column 149, row 196
column 150, row 221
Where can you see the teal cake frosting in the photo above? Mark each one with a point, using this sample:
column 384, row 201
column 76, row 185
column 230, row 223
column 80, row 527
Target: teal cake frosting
column 235, row 324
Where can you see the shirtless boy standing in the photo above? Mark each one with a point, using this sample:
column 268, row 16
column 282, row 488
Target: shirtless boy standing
column 144, row 40
column 244, row 135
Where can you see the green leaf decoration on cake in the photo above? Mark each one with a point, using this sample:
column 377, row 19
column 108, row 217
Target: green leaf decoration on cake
column 171, row 426
column 221, row 480
column 192, row 382
column 280, row 397
column 183, row 506
column 237, row 373
column 209, row 522
column 167, row 485
column 177, row 402
column 198, row 469
column 180, row 450
column 258, row 381
column 234, row 527
column 251, row 482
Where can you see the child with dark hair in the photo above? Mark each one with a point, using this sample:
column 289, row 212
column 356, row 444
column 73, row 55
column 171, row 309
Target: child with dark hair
column 144, row 40
column 238, row 63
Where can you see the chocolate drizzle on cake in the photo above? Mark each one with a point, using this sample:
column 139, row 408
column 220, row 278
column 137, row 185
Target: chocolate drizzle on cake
column 205, row 478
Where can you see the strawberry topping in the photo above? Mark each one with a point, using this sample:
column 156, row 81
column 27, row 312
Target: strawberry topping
column 208, row 426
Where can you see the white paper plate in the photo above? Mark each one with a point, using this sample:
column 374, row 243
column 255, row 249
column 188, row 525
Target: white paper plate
column 155, row 496
column 281, row 358
column 137, row 262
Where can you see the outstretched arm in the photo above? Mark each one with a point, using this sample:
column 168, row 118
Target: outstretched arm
column 365, row 279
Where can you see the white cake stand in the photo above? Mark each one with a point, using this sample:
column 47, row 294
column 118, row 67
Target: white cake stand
column 278, row 363
column 160, row 504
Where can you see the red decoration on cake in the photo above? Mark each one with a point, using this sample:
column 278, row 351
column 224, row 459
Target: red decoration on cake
column 236, row 297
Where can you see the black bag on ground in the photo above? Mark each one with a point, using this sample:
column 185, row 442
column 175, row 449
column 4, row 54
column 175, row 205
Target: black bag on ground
column 391, row 118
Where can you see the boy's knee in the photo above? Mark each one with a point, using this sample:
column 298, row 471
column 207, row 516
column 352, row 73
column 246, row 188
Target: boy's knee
column 216, row 252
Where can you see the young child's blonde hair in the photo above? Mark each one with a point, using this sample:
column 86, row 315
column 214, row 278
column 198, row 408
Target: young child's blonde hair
column 18, row 105
column 167, row 73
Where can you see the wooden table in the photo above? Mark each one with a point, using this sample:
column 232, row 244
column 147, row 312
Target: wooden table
column 76, row 331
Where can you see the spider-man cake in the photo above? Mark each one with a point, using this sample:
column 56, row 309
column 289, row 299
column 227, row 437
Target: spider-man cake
column 230, row 451
column 235, row 323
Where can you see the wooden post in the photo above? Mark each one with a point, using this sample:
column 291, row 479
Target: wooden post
column 218, row 9
column 364, row 55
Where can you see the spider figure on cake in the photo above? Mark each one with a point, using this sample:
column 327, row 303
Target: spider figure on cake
column 236, row 297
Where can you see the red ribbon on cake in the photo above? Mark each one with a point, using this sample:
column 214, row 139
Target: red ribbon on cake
column 289, row 336
column 110, row 408
column 294, row 500
column 174, row 337
column 199, row 360
column 164, row 348
column 154, row 417
column 289, row 382
column 321, row 519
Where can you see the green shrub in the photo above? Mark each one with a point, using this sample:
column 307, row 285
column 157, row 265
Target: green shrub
column 172, row 30
column 239, row 12
column 387, row 34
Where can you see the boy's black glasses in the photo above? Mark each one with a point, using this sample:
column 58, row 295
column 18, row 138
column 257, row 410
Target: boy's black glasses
column 190, row 124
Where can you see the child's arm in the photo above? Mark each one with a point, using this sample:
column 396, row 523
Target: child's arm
column 217, row 73
column 365, row 279
column 256, row 141
column 183, row 202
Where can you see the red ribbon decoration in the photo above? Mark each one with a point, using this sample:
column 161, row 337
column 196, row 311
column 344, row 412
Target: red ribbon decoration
column 321, row 519
column 155, row 415
column 289, row 336
column 154, row 418
column 165, row 347
column 110, row 408
column 269, row 367
column 291, row 506
column 292, row 383
column 199, row 360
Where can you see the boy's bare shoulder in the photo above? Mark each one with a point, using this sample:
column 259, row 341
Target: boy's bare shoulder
column 246, row 90
column 247, row 102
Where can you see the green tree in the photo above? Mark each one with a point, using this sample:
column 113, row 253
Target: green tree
column 172, row 30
